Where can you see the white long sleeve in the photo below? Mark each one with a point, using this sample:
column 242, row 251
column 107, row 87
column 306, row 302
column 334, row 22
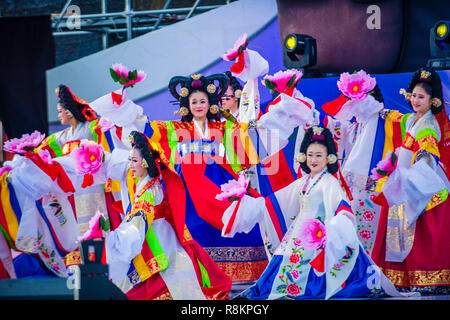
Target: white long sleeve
column 122, row 245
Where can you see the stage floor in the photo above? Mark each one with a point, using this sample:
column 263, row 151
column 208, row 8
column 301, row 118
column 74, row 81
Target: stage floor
column 238, row 287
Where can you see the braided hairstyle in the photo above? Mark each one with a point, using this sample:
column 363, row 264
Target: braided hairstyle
column 328, row 142
column 198, row 82
column 68, row 102
column 140, row 143
column 430, row 81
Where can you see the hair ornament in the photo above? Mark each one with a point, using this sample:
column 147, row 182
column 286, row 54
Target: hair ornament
column 184, row 92
column 317, row 134
column 144, row 163
column 238, row 93
column 214, row 108
column 425, row 75
column 332, row 158
column 436, row 102
column 182, row 112
column 405, row 93
column 301, row 157
column 317, row 130
column 211, row 88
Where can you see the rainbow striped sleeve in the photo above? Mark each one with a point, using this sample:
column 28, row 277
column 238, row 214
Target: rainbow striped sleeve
column 243, row 145
column 102, row 138
column 51, row 145
column 10, row 212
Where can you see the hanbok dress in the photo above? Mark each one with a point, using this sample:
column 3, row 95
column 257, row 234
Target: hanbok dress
column 412, row 236
column 85, row 202
column 151, row 254
column 338, row 268
column 145, row 257
column 417, row 192
column 205, row 160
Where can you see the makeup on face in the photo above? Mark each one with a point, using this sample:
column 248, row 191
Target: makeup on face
column 420, row 100
column 316, row 158
column 135, row 160
column 199, row 104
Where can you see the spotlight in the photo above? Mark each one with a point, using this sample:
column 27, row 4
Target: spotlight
column 440, row 39
column 299, row 51
column 440, row 45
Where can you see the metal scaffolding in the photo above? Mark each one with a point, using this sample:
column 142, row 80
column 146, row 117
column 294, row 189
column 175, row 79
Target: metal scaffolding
column 70, row 21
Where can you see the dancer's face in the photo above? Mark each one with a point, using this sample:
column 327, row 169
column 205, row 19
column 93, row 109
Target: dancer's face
column 420, row 100
column 199, row 104
column 64, row 115
column 229, row 101
column 136, row 167
column 316, row 158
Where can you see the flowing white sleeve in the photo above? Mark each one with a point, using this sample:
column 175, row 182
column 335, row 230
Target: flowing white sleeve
column 30, row 181
column 288, row 114
column 122, row 245
column 255, row 66
column 127, row 115
column 414, row 186
column 249, row 213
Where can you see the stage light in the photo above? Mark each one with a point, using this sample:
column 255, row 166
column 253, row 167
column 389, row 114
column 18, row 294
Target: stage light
column 291, row 42
column 440, row 40
column 442, row 30
column 440, row 45
column 299, row 51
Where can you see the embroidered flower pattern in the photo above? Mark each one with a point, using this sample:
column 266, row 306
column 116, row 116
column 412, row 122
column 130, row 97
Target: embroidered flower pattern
column 365, row 234
column 291, row 271
column 341, row 263
column 368, row 215
column 48, row 256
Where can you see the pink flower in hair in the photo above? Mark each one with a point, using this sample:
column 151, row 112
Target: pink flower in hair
column 234, row 189
column 239, row 46
column 312, row 233
column 282, row 80
column 356, row 86
column 25, row 143
column 88, row 157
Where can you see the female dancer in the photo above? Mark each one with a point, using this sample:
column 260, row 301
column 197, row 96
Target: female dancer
column 151, row 254
column 206, row 153
column 320, row 255
column 412, row 228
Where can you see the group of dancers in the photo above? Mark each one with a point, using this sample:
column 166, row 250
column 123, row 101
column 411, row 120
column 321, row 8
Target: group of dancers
column 188, row 207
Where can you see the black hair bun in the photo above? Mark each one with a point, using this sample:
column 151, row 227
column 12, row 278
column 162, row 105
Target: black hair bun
column 139, row 142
